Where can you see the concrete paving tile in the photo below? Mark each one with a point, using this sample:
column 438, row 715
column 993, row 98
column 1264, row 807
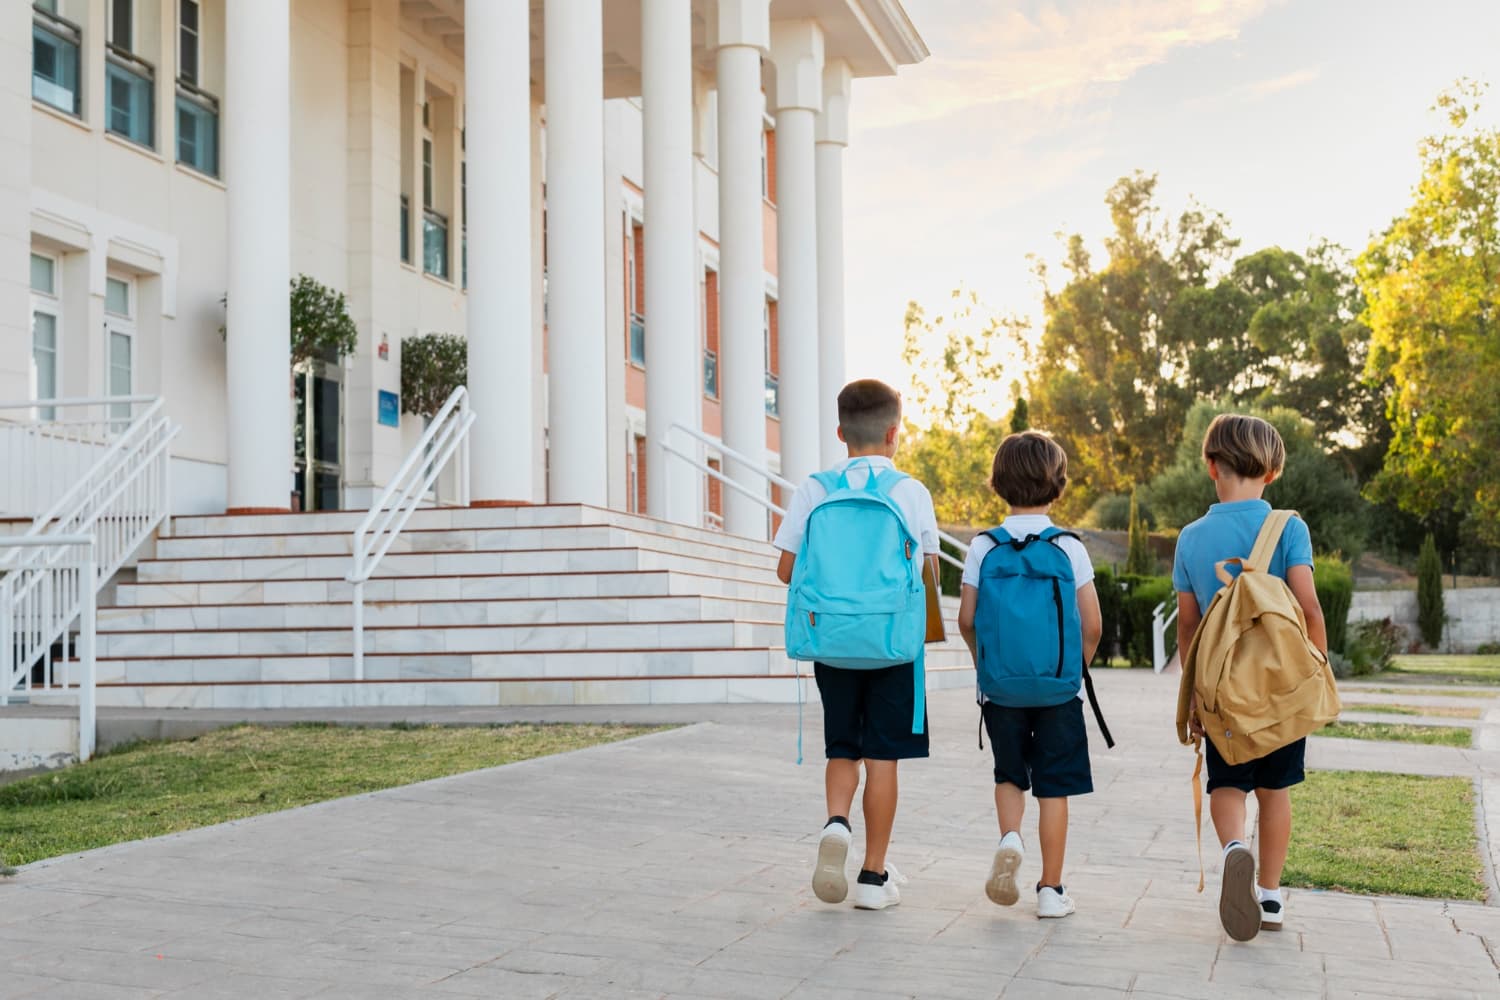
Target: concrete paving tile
column 1042, row 989
column 237, row 986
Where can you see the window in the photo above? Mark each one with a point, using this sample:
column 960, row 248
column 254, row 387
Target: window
column 187, row 41
column 122, row 24
column 434, row 224
column 119, row 343
column 463, row 215
column 55, row 44
column 635, row 293
column 765, row 168
column 45, row 328
column 129, row 80
column 405, row 229
column 711, row 334
column 773, row 381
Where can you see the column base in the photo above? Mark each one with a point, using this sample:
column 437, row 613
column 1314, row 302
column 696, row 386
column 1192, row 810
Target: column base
column 500, row 503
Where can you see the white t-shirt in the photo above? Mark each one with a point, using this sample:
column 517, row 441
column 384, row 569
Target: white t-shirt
column 1019, row 526
column 911, row 496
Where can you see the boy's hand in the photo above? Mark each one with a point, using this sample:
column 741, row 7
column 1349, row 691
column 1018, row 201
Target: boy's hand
column 1195, row 724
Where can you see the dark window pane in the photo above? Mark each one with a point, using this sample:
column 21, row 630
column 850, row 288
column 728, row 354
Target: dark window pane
column 328, row 490
column 54, row 69
column 325, row 420
column 190, row 15
column 188, row 56
column 121, row 33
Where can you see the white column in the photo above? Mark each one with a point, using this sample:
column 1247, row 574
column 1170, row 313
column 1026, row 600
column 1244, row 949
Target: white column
column 15, row 203
column 673, row 365
column 257, row 175
column 744, row 34
column 797, row 48
column 578, row 467
column 497, row 87
column 832, row 137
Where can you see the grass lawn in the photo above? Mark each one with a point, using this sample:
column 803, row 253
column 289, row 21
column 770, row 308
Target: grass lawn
column 1433, row 711
column 1400, row 732
column 149, row 789
column 1380, row 833
column 1457, row 669
column 1447, row 692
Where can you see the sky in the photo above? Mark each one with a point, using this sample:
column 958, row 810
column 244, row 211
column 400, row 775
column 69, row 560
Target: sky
column 1298, row 119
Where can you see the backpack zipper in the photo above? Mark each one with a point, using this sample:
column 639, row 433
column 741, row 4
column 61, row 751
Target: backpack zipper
column 1057, row 600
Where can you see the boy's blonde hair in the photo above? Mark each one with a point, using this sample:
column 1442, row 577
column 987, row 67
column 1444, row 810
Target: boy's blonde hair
column 1247, row 446
column 1030, row 470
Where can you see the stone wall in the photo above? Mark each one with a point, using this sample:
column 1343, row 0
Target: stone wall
column 1473, row 614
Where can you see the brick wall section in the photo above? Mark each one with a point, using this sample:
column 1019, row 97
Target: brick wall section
column 640, row 474
column 715, row 489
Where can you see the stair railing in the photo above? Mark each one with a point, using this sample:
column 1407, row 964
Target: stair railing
column 759, row 468
column 446, row 437
column 118, row 503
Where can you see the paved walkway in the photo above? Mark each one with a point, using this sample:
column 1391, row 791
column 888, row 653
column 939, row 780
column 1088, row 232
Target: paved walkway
column 677, row 865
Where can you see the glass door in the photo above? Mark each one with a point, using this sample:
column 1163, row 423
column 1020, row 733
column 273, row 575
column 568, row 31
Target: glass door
column 318, row 435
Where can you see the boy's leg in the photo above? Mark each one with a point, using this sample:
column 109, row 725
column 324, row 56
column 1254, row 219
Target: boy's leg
column 1010, row 806
column 1054, row 836
column 840, row 782
column 1239, row 906
column 880, row 811
column 842, row 697
column 1227, row 807
column 1275, row 833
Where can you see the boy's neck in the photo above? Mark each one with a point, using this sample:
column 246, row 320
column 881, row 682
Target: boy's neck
column 1044, row 509
column 878, row 452
column 1233, row 489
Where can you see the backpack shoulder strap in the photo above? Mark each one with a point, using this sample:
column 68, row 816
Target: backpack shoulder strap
column 1053, row 533
column 887, row 479
column 1268, row 539
column 829, row 480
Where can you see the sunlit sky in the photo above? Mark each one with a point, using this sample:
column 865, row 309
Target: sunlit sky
column 1299, row 119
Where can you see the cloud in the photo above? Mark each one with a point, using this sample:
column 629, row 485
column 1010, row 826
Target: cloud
column 1048, row 54
column 1256, row 90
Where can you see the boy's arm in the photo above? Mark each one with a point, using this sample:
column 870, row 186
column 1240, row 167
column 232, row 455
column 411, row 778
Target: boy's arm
column 1300, row 579
column 1092, row 619
column 968, row 601
column 784, row 567
column 1188, row 620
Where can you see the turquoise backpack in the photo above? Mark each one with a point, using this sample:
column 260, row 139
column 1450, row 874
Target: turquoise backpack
column 857, row 599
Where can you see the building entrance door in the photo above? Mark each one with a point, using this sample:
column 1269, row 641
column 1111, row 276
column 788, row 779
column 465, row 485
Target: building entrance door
column 318, row 434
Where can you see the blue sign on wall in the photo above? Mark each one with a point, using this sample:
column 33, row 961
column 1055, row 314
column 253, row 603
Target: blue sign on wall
column 390, row 409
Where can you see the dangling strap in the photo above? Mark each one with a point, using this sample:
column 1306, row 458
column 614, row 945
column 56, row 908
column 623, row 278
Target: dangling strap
column 919, row 692
column 797, row 676
column 1198, row 805
column 1088, row 685
column 981, row 726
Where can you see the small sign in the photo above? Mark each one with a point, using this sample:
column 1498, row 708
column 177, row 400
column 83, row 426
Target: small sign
column 390, row 409
column 385, row 347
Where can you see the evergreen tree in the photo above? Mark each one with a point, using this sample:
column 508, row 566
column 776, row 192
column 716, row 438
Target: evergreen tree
column 1020, row 417
column 1430, row 613
column 1138, row 560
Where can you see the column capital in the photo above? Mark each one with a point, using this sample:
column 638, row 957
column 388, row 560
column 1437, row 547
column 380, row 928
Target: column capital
column 797, row 50
column 744, row 22
column 833, row 123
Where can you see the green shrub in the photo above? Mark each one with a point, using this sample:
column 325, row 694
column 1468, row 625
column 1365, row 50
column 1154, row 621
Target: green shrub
column 1139, row 559
column 1110, row 512
column 1488, row 649
column 1139, row 603
column 1372, row 646
column 950, row 577
column 432, row 366
column 1431, row 616
column 1111, row 601
column 1335, row 584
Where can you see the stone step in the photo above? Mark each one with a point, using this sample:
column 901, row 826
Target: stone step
column 430, row 614
column 461, row 518
column 440, row 640
column 717, row 679
column 436, row 540
column 492, row 586
column 448, row 564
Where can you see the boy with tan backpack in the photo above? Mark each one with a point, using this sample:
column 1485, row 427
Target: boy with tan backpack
column 1255, row 674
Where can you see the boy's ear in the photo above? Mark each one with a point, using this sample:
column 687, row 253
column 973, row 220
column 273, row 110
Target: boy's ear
column 840, row 432
column 890, row 434
column 1213, row 469
column 1272, row 476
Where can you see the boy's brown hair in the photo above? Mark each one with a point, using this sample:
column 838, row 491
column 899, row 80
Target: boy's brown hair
column 868, row 409
column 1030, row 470
column 1247, row 446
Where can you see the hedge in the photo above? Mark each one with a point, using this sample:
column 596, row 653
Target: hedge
column 1126, row 604
column 1335, row 585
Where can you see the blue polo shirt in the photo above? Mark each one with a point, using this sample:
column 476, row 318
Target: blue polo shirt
column 1226, row 531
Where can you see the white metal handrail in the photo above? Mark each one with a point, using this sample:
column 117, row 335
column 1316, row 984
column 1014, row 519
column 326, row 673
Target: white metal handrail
column 118, row 503
column 56, row 442
column 446, row 437
column 1161, row 619
column 761, row 469
column 29, row 605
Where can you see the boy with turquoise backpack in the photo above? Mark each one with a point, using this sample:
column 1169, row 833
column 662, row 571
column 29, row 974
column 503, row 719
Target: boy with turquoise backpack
column 1030, row 616
column 853, row 543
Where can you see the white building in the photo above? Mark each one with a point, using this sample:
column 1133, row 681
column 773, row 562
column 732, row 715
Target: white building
column 631, row 208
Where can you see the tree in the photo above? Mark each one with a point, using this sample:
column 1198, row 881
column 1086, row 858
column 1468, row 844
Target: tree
column 1431, row 281
column 1108, row 375
column 1431, row 615
column 321, row 326
column 1020, row 416
column 432, row 366
column 1138, row 557
column 1314, row 483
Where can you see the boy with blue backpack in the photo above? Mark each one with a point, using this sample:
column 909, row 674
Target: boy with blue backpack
column 853, row 543
column 1030, row 615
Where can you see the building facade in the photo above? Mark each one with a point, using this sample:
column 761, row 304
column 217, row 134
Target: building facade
column 632, row 210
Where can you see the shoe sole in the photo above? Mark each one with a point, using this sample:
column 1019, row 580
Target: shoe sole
column 1054, row 916
column 1001, row 887
column 884, row 903
column 1267, row 926
column 1239, row 910
column 830, row 883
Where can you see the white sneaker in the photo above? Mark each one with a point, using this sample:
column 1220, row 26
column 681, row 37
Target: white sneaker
column 1272, row 909
column 878, row 897
column 1239, row 907
column 829, row 882
column 1001, row 887
column 1052, row 903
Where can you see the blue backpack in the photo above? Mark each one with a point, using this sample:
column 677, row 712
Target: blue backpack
column 857, row 599
column 1028, row 631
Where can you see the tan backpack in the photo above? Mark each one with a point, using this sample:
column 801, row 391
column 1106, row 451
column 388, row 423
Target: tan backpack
column 1261, row 683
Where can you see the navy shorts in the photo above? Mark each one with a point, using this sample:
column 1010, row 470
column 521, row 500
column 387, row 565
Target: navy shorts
column 1044, row 749
column 867, row 713
column 1277, row 769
